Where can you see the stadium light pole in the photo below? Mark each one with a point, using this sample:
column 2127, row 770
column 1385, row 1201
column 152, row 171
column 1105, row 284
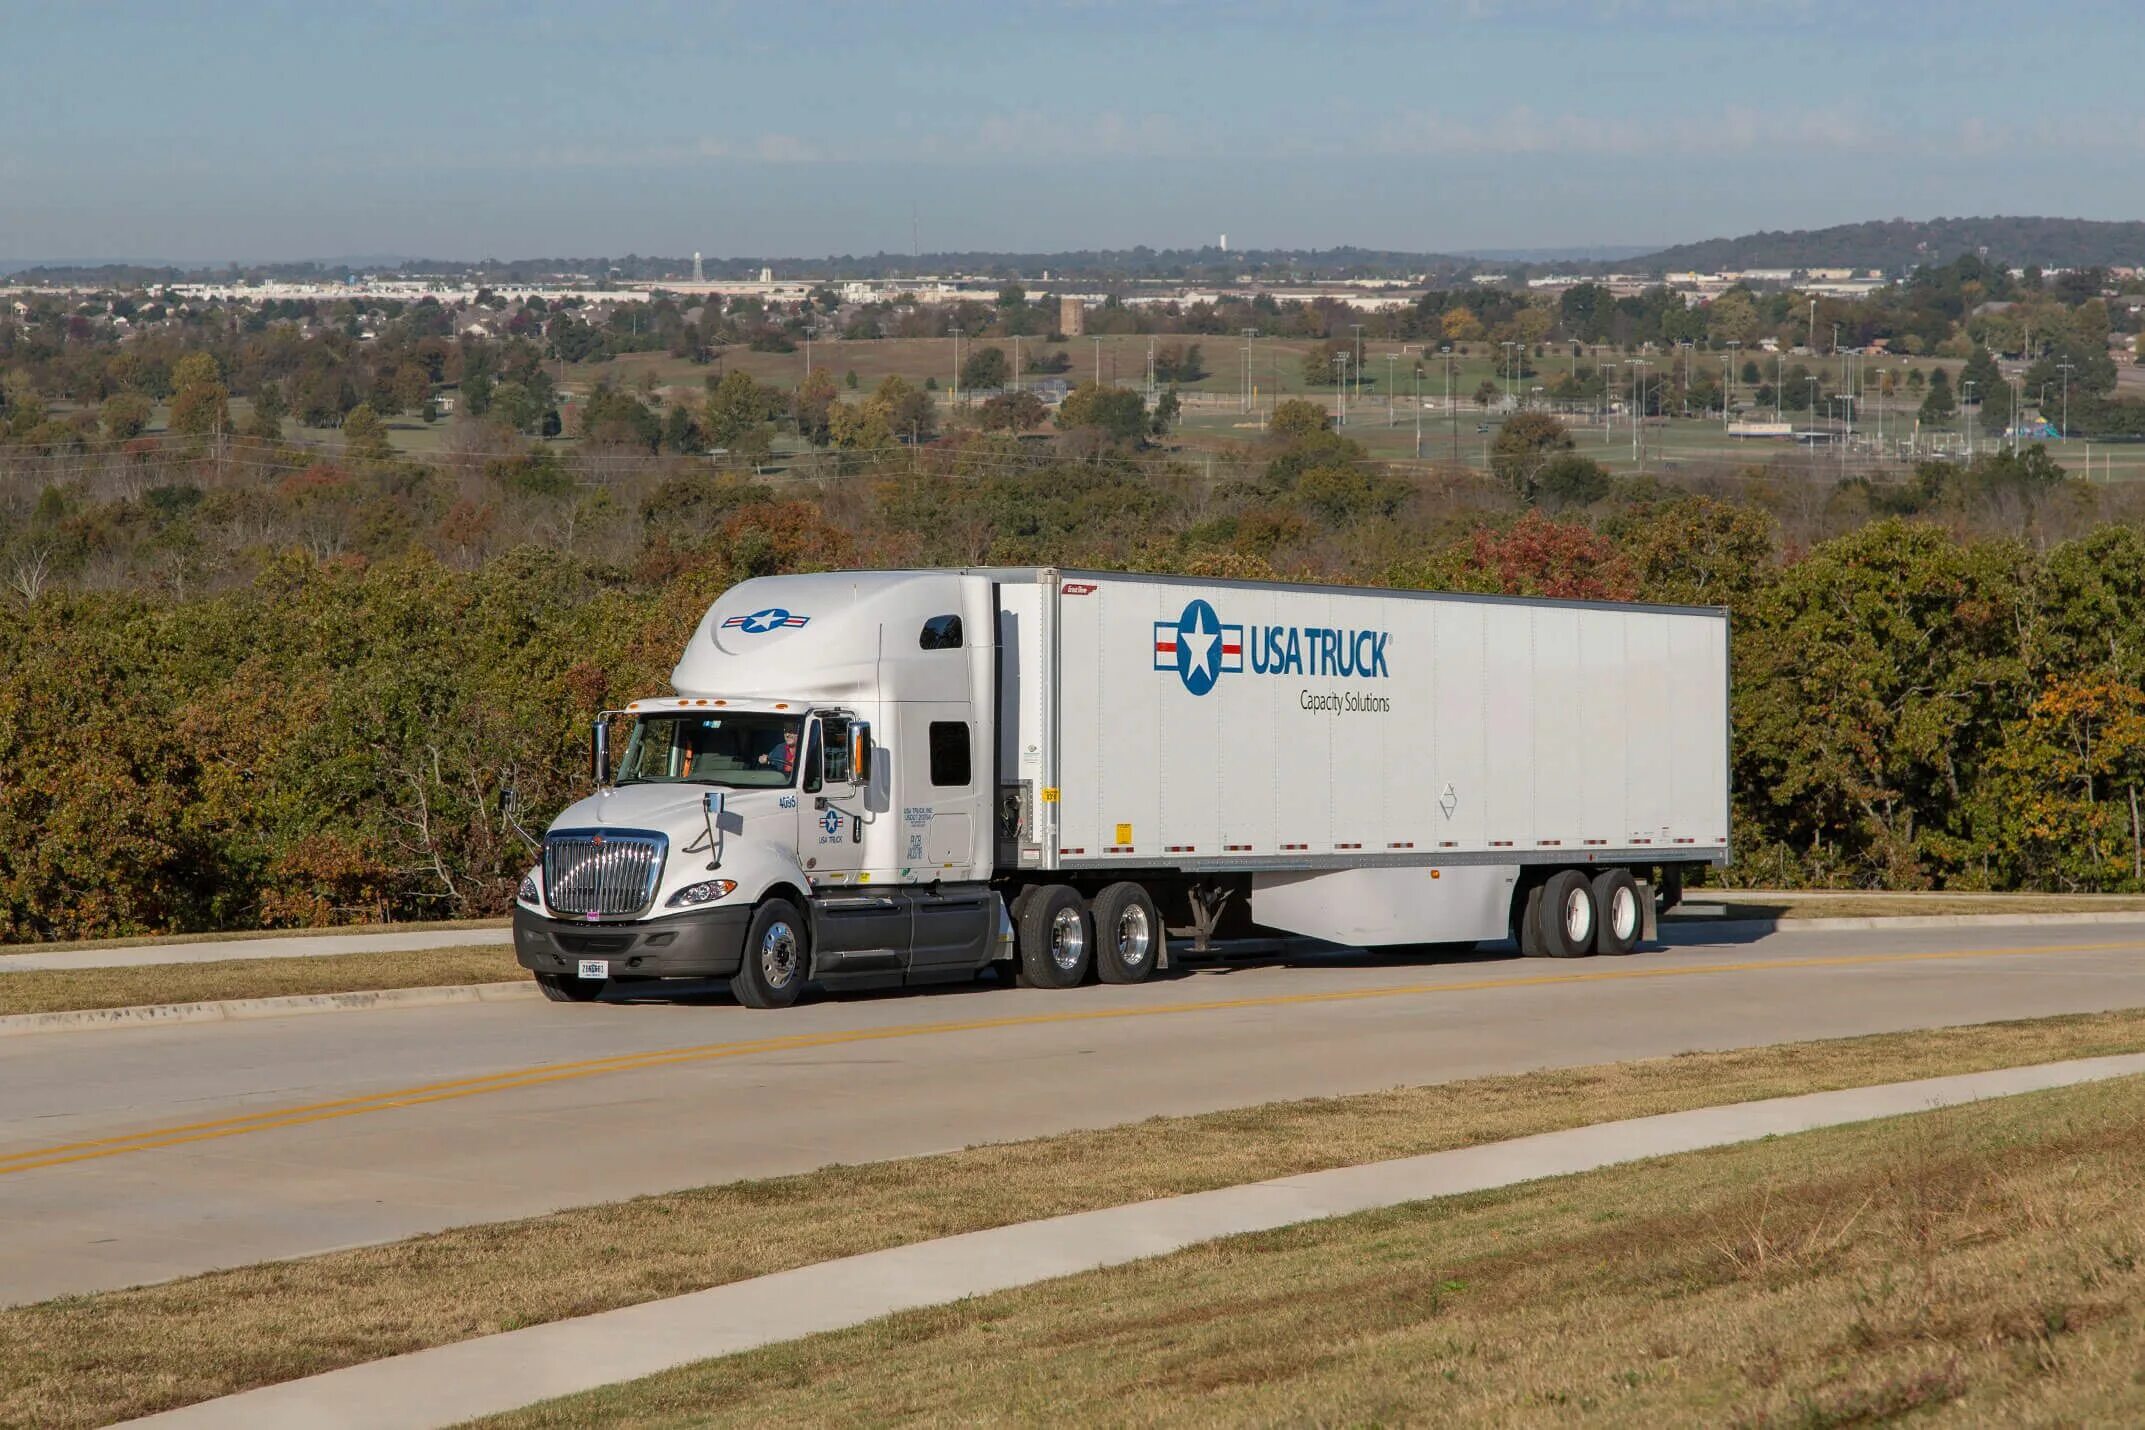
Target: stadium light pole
column 1638, row 411
column 1249, row 334
column 2065, row 367
column 1418, row 408
column 1359, row 357
column 1734, row 351
column 1452, row 415
column 1967, row 389
column 1340, row 364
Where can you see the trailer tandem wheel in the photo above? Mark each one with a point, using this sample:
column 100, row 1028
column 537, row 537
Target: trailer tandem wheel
column 1565, row 915
column 1617, row 912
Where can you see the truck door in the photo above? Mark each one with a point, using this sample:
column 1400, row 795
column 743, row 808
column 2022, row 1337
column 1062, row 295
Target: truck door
column 859, row 926
column 942, row 777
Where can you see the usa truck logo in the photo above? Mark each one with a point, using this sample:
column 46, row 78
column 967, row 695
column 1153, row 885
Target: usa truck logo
column 759, row 623
column 1198, row 647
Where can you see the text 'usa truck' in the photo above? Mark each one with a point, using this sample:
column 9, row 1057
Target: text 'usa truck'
column 873, row 778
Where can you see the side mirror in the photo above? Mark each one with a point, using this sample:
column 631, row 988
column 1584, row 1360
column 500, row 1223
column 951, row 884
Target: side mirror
column 599, row 751
column 860, row 753
column 711, row 812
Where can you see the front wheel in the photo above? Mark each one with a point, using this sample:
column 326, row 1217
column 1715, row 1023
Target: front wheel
column 1128, row 934
column 565, row 988
column 770, row 969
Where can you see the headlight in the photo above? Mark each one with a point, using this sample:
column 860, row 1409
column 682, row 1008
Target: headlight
column 528, row 893
column 705, row 892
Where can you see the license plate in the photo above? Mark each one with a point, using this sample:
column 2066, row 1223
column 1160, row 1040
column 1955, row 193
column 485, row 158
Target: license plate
column 595, row 968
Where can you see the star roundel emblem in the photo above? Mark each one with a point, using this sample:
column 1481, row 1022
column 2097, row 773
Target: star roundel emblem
column 1198, row 647
column 759, row 623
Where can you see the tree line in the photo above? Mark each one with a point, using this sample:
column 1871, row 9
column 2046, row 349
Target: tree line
column 322, row 722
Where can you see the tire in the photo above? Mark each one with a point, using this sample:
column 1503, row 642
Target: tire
column 1565, row 919
column 1527, row 928
column 1128, row 934
column 1618, row 914
column 1056, row 936
column 771, row 968
column 564, row 988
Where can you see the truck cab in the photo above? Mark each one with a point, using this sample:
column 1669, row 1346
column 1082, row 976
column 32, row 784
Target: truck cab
column 811, row 804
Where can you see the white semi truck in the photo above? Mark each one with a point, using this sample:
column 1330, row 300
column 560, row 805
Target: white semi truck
column 908, row 776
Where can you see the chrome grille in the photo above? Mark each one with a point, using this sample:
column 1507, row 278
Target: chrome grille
column 610, row 875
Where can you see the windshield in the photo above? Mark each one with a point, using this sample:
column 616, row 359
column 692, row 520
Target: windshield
column 737, row 748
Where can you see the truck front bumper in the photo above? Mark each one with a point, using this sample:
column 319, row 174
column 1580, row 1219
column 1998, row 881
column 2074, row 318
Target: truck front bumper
column 696, row 945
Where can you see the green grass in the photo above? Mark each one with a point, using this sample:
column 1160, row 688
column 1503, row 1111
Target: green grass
column 89, row 1360
column 1979, row 1265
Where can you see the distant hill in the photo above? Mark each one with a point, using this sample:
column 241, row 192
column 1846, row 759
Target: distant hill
column 1894, row 244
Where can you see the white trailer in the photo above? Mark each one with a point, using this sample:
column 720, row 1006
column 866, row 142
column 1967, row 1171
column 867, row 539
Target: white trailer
column 872, row 777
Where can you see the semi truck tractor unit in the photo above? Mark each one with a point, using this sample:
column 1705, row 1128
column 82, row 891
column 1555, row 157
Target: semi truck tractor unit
column 866, row 778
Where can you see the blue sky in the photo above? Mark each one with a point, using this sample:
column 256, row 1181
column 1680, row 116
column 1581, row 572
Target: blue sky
column 251, row 130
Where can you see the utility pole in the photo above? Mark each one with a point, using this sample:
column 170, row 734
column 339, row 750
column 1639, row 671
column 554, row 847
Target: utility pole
column 957, row 367
column 1098, row 360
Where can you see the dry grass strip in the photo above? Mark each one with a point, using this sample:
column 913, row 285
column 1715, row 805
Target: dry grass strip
column 63, row 990
column 1980, row 1265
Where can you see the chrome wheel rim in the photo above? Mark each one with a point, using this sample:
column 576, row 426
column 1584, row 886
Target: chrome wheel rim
column 1624, row 913
column 1578, row 916
column 1135, row 936
column 1068, row 940
column 778, row 954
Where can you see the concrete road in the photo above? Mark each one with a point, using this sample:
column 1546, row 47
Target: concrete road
column 136, row 1155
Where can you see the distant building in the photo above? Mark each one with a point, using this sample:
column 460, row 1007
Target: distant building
column 1072, row 316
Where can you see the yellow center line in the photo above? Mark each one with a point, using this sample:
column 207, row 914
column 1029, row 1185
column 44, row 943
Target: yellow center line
column 451, row 1089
